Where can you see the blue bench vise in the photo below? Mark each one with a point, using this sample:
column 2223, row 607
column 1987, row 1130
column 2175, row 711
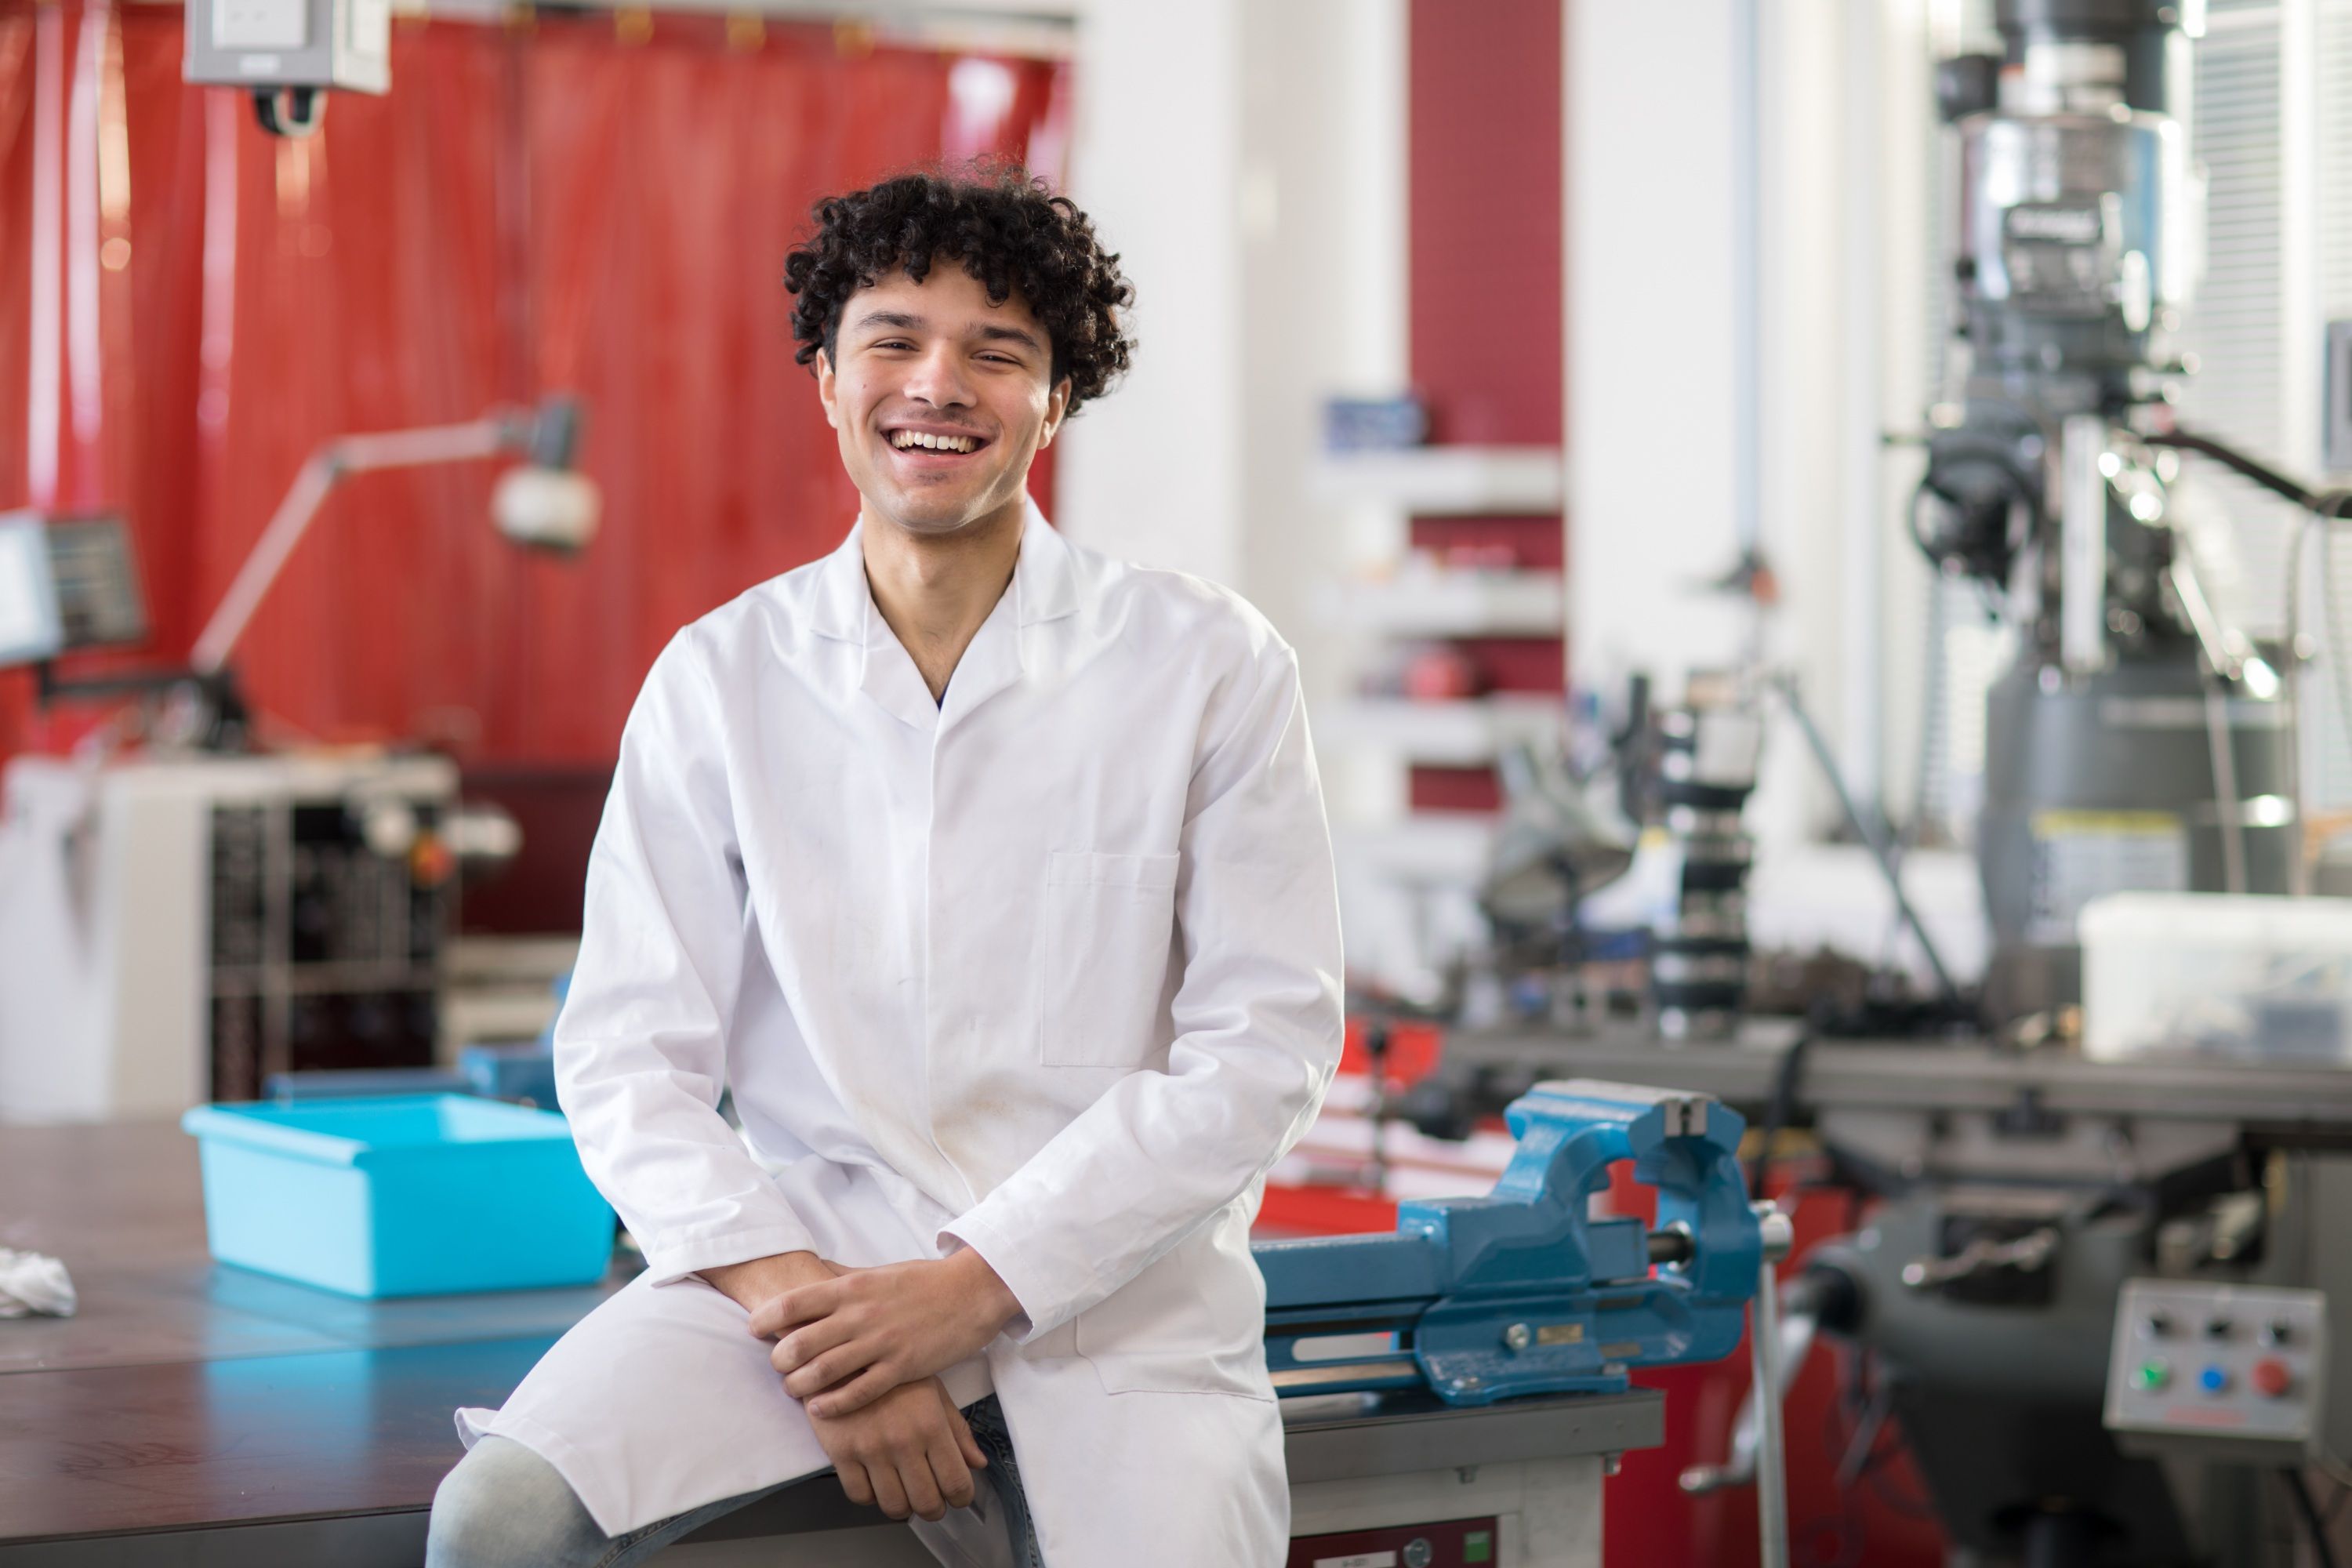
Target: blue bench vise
column 1522, row 1292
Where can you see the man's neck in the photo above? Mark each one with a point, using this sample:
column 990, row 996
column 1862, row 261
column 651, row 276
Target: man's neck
column 935, row 590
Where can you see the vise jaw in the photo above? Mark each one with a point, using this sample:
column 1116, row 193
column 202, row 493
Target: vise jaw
column 1522, row 1292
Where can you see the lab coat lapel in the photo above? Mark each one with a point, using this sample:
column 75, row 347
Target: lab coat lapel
column 891, row 679
column 989, row 665
column 1042, row 590
column 842, row 608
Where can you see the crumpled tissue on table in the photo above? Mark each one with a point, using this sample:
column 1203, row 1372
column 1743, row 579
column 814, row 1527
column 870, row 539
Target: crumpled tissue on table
column 33, row 1282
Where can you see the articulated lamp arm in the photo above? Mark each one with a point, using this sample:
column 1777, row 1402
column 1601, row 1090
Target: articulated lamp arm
column 546, row 435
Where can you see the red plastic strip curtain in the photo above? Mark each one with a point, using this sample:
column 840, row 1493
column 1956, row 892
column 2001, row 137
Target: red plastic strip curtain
column 594, row 202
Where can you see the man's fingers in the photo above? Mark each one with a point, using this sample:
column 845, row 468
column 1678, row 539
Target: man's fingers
column 948, row 1468
column 834, row 1366
column 802, row 1304
column 853, row 1395
column 888, row 1494
column 922, row 1489
column 810, row 1341
column 854, row 1484
column 967, row 1445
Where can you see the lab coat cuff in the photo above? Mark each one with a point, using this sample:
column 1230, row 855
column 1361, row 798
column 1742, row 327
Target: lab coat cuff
column 676, row 1258
column 1042, row 1306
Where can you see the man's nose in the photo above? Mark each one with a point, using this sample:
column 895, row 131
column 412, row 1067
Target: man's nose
column 938, row 378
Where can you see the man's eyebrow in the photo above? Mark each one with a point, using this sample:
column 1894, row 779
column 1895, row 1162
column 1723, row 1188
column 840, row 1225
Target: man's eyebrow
column 1008, row 335
column 899, row 320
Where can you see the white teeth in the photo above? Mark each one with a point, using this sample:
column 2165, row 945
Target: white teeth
column 902, row 439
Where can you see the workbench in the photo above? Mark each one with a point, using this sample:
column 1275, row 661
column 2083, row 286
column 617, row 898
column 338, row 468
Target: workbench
column 2298, row 1105
column 195, row 1415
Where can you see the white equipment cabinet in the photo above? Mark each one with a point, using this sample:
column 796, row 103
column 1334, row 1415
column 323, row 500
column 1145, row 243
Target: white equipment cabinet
column 174, row 930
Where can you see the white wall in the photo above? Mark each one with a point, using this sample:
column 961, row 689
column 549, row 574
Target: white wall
column 1650, row 287
column 1247, row 163
column 1153, row 472
column 1324, row 308
column 1653, row 284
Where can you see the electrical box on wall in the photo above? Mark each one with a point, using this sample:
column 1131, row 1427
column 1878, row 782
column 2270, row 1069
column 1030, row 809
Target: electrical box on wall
column 290, row 53
column 2339, row 417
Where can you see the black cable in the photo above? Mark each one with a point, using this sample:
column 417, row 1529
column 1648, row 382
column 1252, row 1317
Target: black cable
column 1777, row 1111
column 1852, row 1400
column 2270, row 478
column 2300, row 1491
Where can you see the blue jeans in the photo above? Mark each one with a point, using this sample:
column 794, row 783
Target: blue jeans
column 505, row 1507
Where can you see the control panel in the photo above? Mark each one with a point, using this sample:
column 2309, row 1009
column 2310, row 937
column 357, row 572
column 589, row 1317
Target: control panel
column 2232, row 1371
column 1454, row 1543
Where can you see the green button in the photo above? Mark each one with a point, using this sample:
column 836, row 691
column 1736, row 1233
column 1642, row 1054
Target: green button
column 2151, row 1375
column 1478, row 1546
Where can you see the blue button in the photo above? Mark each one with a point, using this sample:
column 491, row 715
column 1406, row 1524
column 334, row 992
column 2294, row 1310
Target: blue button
column 2214, row 1380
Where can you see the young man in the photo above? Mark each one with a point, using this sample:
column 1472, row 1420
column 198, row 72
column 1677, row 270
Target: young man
column 991, row 878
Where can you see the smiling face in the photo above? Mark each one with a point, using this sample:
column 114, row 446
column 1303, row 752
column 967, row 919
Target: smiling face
column 940, row 400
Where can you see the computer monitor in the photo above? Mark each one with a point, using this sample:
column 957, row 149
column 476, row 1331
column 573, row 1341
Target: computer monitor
column 66, row 583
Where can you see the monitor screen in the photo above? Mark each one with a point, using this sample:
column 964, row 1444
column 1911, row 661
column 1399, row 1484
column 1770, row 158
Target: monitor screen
column 97, row 596
column 30, row 627
column 66, row 583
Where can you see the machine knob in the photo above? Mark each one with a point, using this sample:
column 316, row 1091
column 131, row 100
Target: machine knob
column 2157, row 1325
column 2270, row 1378
column 2217, row 1328
column 2278, row 1332
column 2214, row 1380
column 1418, row 1554
column 2151, row 1376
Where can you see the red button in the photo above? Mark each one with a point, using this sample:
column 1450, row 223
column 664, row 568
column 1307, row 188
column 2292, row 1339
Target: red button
column 2270, row 1378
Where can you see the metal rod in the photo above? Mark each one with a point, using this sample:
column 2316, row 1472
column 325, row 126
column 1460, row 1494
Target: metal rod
column 1747, row 290
column 1771, row 1483
column 482, row 438
column 1400, row 1372
column 2083, row 544
column 1880, row 850
column 2221, row 743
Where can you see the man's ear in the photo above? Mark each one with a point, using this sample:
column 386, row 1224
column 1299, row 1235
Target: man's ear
column 825, row 389
column 1058, row 403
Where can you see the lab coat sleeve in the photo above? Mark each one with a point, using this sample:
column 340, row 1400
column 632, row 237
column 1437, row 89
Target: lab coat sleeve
column 641, row 1044
column 1258, row 1023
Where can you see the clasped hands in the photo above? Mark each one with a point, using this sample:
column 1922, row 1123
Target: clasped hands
column 863, row 1348
column 844, row 1343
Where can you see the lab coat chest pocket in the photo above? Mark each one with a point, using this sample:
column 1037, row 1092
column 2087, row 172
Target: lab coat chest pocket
column 1109, row 923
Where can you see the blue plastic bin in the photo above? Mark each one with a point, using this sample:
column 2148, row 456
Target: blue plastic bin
column 515, row 1070
column 402, row 1195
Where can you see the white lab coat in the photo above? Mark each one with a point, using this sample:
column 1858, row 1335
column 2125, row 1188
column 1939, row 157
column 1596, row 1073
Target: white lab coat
column 1050, row 970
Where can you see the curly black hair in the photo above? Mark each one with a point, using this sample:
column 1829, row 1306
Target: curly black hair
column 1011, row 233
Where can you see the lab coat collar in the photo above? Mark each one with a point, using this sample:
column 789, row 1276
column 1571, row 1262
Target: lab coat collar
column 1044, row 579
column 1044, row 588
column 1044, row 583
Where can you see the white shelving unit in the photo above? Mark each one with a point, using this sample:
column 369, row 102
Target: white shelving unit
column 1461, row 734
column 1453, row 603
column 1446, row 481
column 1409, row 877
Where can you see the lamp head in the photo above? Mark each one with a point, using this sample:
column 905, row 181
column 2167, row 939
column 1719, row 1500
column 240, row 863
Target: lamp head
column 545, row 502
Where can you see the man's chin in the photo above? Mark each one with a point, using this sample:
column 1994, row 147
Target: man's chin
column 935, row 518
